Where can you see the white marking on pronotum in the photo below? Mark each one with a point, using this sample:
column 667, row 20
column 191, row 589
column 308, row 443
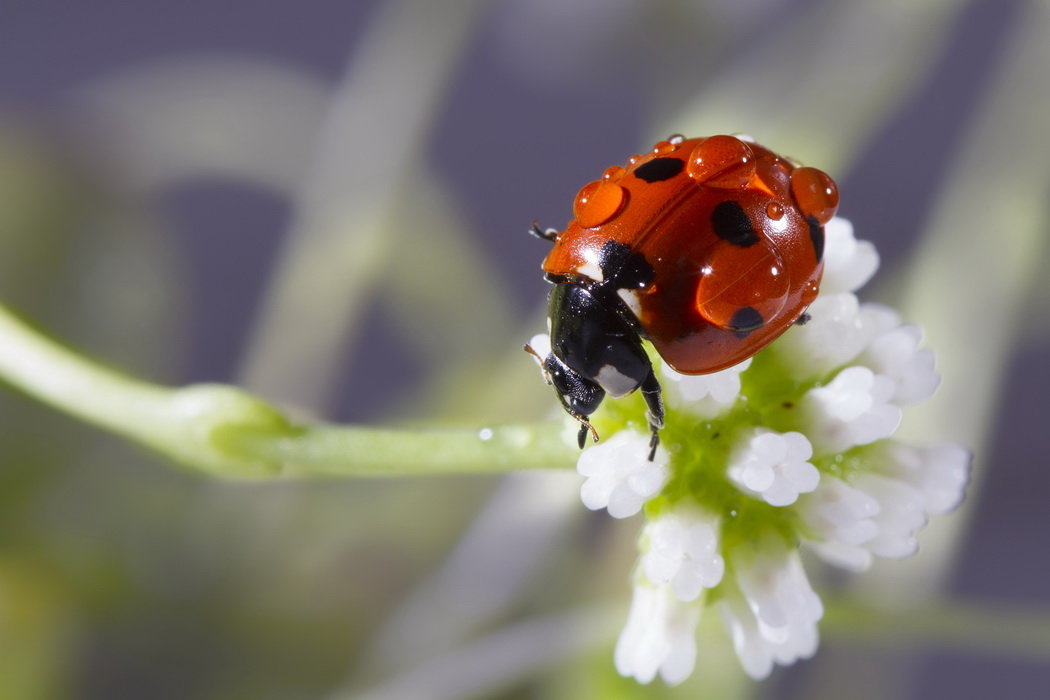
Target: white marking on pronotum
column 589, row 269
column 591, row 266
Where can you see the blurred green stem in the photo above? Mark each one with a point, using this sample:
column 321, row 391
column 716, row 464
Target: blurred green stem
column 224, row 431
column 341, row 238
column 1014, row 633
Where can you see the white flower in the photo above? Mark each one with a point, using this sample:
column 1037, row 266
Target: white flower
column 772, row 612
column 842, row 520
column 620, row 476
column 833, row 336
column 848, row 263
column 660, row 636
column 881, row 511
column 853, row 409
column 683, row 551
column 876, row 319
column 895, row 353
column 774, row 466
column 901, row 515
column 939, row 472
column 704, row 394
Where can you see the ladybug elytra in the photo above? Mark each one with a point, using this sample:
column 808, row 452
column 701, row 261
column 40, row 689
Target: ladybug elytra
column 709, row 248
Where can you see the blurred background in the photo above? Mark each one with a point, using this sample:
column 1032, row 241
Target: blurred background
column 326, row 203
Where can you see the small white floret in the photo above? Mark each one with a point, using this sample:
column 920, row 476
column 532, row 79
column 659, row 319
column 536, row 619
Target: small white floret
column 619, row 475
column 772, row 611
column 833, row 336
column 896, row 354
column 704, row 394
column 853, row 409
column 848, row 263
column 774, row 466
column 681, row 548
column 881, row 511
column 841, row 519
column 939, row 472
column 659, row 637
column 901, row 516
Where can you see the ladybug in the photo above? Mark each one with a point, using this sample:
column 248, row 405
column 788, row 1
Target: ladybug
column 709, row 248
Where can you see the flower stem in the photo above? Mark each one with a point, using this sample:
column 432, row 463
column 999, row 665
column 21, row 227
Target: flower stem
column 334, row 450
column 1015, row 633
column 227, row 432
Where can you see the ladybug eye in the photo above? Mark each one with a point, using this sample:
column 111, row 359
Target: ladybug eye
column 598, row 202
column 722, row 161
column 741, row 289
column 815, row 193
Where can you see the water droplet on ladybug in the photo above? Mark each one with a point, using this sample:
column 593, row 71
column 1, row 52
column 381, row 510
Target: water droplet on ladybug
column 613, row 173
column 774, row 210
column 633, row 159
column 663, row 147
column 741, row 289
column 722, row 161
column 815, row 193
column 597, row 203
column 675, row 139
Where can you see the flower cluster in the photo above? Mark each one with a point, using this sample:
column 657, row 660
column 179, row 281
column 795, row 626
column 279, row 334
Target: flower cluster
column 792, row 449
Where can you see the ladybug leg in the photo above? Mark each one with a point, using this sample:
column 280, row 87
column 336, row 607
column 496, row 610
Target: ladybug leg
column 650, row 387
column 546, row 234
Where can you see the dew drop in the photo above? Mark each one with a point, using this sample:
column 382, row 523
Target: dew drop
column 597, row 203
column 722, row 161
column 774, row 210
column 815, row 194
column 663, row 147
column 613, row 173
column 675, row 139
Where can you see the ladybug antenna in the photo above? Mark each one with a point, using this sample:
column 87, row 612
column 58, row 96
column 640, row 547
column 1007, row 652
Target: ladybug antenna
column 539, row 360
column 546, row 234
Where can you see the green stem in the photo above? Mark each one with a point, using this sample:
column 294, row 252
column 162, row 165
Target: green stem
column 334, row 450
column 227, row 432
column 982, row 629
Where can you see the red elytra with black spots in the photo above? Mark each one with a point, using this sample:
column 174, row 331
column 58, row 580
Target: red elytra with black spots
column 733, row 232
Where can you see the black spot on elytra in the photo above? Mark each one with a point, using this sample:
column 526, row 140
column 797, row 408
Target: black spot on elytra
column 659, row 169
column 816, row 234
column 731, row 223
column 745, row 320
column 624, row 267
